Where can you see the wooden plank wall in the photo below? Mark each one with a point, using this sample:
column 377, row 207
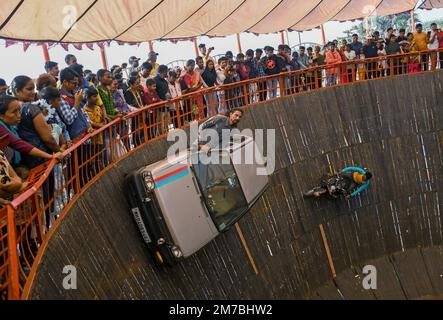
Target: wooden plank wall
column 392, row 126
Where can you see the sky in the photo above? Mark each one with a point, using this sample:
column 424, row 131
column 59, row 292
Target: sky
column 14, row 61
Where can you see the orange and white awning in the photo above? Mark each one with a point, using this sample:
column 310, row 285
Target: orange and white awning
column 432, row 4
column 81, row 21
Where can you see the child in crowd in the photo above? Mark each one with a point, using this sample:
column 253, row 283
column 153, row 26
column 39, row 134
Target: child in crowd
column 98, row 120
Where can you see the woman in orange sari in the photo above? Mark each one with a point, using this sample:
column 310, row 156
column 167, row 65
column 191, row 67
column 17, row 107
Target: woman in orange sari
column 194, row 82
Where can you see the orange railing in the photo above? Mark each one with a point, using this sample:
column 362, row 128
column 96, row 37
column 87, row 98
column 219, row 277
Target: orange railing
column 27, row 224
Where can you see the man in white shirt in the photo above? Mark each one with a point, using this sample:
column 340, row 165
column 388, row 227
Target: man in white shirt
column 433, row 44
column 350, row 55
column 220, row 69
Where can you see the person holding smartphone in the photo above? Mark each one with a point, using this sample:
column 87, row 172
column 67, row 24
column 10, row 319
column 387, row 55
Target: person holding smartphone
column 206, row 54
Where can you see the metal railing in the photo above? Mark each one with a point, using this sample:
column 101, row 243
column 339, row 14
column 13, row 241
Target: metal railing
column 27, row 223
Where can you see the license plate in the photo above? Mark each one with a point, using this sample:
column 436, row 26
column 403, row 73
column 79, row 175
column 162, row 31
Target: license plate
column 141, row 226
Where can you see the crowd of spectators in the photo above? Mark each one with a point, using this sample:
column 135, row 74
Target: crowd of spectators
column 71, row 103
column 42, row 118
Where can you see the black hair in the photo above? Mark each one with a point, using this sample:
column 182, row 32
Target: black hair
column 419, row 26
column 222, row 59
column 133, row 78
column 162, row 68
column 147, row 65
column 172, row 74
column 5, row 101
column 368, row 175
column 150, row 82
column 49, row 93
column 234, row 110
column 68, row 74
column 281, row 47
column 189, row 62
column 90, row 92
column 402, row 30
column 2, row 82
column 302, row 47
column 198, row 58
column 90, row 77
column 240, row 55
column 19, row 83
column 259, row 50
column 309, row 49
column 389, row 29
column 433, row 24
column 69, row 57
column 250, row 52
column 101, row 73
column 201, row 45
column 86, row 72
column 77, row 68
column 49, row 65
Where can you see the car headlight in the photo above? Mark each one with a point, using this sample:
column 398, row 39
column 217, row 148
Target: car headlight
column 176, row 252
column 149, row 182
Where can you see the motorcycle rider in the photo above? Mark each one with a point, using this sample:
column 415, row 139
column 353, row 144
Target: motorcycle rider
column 343, row 183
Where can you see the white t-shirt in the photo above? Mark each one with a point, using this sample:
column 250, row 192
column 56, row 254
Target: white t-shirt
column 349, row 57
column 433, row 45
column 220, row 76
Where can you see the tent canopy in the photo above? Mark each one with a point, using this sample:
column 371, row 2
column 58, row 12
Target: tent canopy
column 432, row 4
column 141, row 20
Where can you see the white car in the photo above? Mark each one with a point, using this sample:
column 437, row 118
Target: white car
column 179, row 207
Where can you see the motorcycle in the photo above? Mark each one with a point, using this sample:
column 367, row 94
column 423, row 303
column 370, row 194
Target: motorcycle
column 333, row 186
column 329, row 187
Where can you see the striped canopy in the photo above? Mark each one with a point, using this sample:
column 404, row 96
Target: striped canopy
column 432, row 4
column 80, row 21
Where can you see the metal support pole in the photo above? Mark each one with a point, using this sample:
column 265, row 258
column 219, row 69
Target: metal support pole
column 104, row 60
column 282, row 34
column 239, row 43
column 46, row 52
column 197, row 53
column 412, row 21
column 368, row 32
column 323, row 35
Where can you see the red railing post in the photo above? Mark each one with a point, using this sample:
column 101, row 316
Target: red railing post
column 281, row 85
column 391, row 66
column 77, row 169
column 111, row 144
column 145, row 126
column 14, row 283
column 433, row 60
column 177, row 113
column 245, row 94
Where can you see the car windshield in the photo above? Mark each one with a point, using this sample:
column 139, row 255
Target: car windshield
column 222, row 191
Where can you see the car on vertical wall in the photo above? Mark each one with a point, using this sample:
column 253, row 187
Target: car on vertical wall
column 181, row 205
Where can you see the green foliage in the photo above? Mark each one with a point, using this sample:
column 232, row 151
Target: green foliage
column 381, row 24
